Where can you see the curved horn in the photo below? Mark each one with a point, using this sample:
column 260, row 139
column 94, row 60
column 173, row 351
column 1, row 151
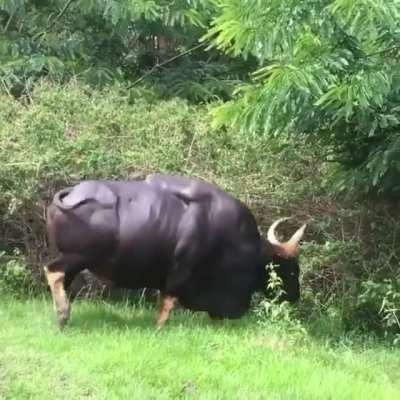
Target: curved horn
column 295, row 239
column 289, row 248
column 292, row 245
column 271, row 231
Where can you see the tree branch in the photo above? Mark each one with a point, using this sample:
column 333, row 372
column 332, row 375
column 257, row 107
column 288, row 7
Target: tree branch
column 164, row 63
column 383, row 51
column 8, row 22
column 60, row 15
column 55, row 20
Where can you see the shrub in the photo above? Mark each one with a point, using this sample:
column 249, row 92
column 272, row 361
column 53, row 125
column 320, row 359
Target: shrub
column 15, row 278
column 271, row 310
column 383, row 299
column 349, row 290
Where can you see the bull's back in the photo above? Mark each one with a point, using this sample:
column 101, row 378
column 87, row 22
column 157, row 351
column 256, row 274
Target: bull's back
column 222, row 210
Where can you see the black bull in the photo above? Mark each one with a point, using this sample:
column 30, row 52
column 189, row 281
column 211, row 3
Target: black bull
column 182, row 236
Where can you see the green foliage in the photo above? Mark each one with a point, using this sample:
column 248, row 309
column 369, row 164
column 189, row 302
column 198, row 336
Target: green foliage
column 15, row 278
column 199, row 81
column 383, row 297
column 332, row 268
column 350, row 290
column 96, row 41
column 328, row 70
column 271, row 307
column 281, row 314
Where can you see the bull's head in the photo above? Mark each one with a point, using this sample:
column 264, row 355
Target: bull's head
column 284, row 256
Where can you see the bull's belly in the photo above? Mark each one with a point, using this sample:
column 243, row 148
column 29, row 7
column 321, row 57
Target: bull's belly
column 219, row 304
column 129, row 273
column 220, row 294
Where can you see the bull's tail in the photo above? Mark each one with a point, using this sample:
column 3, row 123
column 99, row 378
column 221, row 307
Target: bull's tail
column 57, row 200
column 85, row 193
column 52, row 210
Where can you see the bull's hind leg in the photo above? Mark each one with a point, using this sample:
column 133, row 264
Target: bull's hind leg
column 59, row 275
column 167, row 303
column 55, row 276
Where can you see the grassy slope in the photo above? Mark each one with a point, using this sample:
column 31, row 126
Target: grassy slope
column 113, row 351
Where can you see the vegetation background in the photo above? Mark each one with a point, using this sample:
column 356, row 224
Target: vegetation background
column 293, row 106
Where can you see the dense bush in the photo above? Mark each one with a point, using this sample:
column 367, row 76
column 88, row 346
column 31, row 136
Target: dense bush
column 105, row 41
column 324, row 69
column 15, row 278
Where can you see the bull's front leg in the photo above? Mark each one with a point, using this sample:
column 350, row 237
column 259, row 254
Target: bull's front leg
column 56, row 278
column 167, row 303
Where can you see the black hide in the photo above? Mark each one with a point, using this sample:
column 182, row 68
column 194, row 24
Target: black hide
column 180, row 235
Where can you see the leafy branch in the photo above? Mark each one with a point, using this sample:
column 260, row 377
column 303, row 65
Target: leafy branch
column 156, row 66
column 55, row 20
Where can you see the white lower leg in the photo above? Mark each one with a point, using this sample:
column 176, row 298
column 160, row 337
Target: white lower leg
column 55, row 280
column 167, row 303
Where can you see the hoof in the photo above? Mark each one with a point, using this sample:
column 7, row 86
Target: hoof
column 159, row 325
column 62, row 318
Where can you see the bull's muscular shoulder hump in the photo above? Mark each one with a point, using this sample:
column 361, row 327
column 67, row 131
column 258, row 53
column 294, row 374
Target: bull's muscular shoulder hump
column 98, row 191
column 221, row 207
column 188, row 189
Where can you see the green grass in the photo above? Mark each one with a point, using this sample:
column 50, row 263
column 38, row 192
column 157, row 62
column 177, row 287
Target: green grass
column 112, row 351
